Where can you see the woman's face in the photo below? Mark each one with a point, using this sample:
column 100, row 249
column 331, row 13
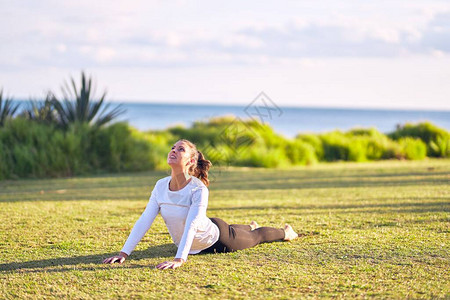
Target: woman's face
column 180, row 155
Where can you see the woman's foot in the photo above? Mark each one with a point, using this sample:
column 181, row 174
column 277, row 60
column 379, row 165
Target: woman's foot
column 289, row 233
column 254, row 225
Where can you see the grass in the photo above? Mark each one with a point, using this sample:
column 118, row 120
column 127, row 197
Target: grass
column 377, row 229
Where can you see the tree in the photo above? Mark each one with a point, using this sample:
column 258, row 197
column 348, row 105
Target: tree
column 78, row 106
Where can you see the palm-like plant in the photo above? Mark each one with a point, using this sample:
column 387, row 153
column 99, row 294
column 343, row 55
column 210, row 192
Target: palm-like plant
column 7, row 108
column 78, row 106
column 42, row 112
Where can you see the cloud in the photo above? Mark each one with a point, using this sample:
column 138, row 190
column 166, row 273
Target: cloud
column 354, row 39
column 436, row 37
column 124, row 36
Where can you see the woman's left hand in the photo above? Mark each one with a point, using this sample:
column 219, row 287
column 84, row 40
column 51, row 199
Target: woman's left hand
column 177, row 262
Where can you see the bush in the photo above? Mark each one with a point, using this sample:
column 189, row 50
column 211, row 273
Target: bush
column 440, row 146
column 357, row 150
column 336, row 146
column 35, row 149
column 436, row 139
column 24, row 148
column 4, row 165
column 31, row 149
column 371, row 132
column 301, row 153
column 161, row 142
column 376, row 147
column 413, row 149
column 198, row 134
column 113, row 148
column 257, row 156
column 315, row 141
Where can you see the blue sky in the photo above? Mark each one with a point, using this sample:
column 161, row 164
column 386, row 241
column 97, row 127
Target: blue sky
column 380, row 54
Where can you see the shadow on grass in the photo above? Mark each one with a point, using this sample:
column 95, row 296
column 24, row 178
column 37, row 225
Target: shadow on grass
column 334, row 184
column 399, row 207
column 122, row 187
column 248, row 186
column 298, row 175
column 72, row 263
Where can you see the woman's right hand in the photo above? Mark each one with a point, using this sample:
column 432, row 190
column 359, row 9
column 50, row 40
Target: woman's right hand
column 116, row 259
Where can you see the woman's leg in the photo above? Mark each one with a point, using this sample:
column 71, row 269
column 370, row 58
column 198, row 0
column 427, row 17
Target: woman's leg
column 234, row 237
column 243, row 227
column 253, row 225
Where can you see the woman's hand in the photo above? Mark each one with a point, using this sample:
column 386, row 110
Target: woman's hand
column 177, row 262
column 116, row 259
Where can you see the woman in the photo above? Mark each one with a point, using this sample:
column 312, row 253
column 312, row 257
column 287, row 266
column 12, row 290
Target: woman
column 182, row 199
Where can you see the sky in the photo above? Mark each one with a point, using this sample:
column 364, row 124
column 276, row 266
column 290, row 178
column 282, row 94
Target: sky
column 358, row 54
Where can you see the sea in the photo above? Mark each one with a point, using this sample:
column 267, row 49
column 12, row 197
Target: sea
column 287, row 121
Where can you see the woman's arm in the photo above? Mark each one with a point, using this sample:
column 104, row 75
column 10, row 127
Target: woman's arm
column 196, row 212
column 141, row 226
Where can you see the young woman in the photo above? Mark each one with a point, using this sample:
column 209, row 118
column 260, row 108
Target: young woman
column 182, row 199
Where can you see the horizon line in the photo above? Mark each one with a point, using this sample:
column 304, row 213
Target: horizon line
column 334, row 107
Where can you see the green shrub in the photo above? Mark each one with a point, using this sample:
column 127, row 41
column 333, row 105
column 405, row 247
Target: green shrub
column 197, row 134
column 358, row 145
column 440, row 147
column 24, row 160
column 212, row 131
column 371, row 132
column 357, row 150
column 436, row 139
column 413, row 149
column 266, row 135
column 114, row 146
column 375, row 147
column 336, row 146
column 23, row 148
column 119, row 147
column 315, row 141
column 58, row 159
column 161, row 142
column 31, row 149
column 75, row 148
column 4, row 162
column 301, row 153
column 263, row 157
column 35, row 149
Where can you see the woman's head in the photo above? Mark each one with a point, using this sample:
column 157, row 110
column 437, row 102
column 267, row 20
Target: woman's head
column 185, row 156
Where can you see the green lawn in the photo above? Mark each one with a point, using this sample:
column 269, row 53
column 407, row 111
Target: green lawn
column 376, row 229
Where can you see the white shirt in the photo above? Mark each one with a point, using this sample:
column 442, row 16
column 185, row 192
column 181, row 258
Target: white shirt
column 184, row 212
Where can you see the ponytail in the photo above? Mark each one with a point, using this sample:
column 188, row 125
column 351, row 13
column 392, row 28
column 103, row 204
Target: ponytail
column 202, row 168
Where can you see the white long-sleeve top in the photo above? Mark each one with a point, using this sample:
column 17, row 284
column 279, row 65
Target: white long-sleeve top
column 184, row 212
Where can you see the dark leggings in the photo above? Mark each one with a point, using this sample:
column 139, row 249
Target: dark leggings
column 237, row 237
